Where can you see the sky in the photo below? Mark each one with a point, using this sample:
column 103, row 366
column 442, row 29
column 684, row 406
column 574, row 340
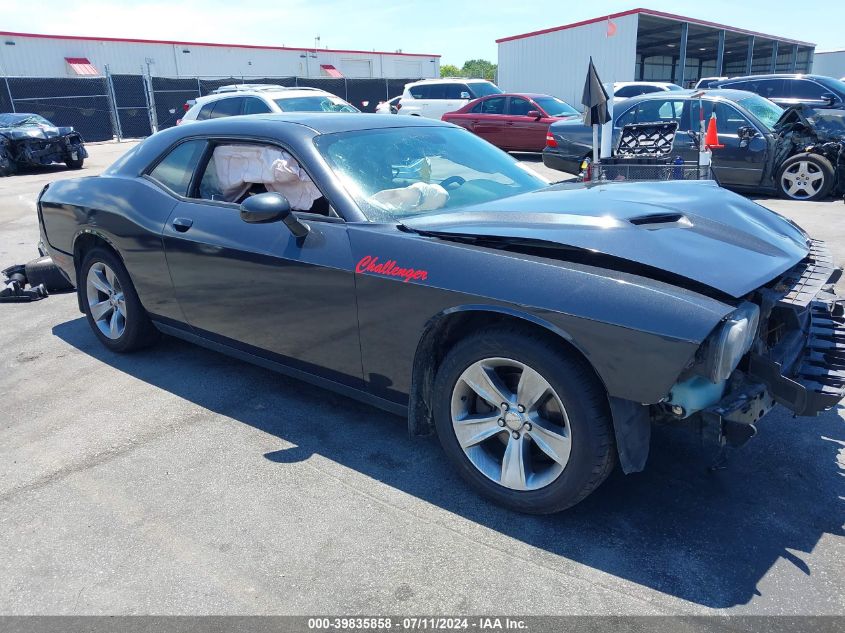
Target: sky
column 456, row 29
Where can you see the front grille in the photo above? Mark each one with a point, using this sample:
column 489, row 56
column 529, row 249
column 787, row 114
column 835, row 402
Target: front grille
column 804, row 281
column 823, row 369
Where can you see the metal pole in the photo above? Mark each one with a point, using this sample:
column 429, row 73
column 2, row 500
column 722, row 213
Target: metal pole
column 720, row 54
column 112, row 97
column 9, row 92
column 750, row 56
column 811, row 57
column 773, row 65
column 149, row 96
column 682, row 62
column 199, row 88
column 793, row 63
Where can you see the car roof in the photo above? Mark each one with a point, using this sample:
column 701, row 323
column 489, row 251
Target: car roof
column 319, row 122
column 270, row 94
column 775, row 76
column 724, row 93
column 448, row 80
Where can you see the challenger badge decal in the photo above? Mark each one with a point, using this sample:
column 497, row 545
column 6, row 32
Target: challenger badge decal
column 371, row 264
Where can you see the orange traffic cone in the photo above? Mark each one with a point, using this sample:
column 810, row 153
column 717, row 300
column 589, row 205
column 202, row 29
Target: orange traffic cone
column 711, row 138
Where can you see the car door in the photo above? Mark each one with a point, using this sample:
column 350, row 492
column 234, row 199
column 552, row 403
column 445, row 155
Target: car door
column 521, row 132
column 256, row 287
column 739, row 162
column 490, row 121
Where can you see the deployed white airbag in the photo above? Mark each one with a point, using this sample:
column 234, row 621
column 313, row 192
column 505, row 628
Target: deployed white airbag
column 421, row 196
column 239, row 166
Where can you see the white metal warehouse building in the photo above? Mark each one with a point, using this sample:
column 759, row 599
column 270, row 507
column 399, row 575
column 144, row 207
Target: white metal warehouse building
column 33, row 55
column 641, row 45
column 830, row 63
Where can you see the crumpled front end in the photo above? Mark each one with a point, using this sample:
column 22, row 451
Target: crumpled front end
column 40, row 147
column 796, row 357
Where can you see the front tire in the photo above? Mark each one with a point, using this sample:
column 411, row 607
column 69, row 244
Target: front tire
column 111, row 304
column 526, row 423
column 805, row 177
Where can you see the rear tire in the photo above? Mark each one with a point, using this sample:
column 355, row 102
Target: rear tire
column 805, row 177
column 563, row 439
column 111, row 304
column 74, row 164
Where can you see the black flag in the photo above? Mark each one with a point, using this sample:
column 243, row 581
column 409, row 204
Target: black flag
column 594, row 99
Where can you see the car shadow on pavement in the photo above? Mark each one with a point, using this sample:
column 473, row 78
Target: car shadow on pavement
column 677, row 528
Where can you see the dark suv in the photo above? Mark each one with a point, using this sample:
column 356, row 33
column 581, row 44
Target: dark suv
column 787, row 90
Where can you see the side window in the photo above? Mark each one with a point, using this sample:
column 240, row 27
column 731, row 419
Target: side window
column 728, row 118
column 436, row 91
column 477, row 107
column 254, row 105
column 771, row 88
column 660, row 111
column 494, row 105
column 453, row 91
column 236, row 171
column 205, row 111
column 805, row 89
column 175, row 170
column 520, row 107
column 627, row 117
column 226, row 107
column 626, row 91
column 420, row 92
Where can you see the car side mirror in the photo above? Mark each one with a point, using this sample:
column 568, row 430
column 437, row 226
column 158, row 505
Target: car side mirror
column 535, row 114
column 465, row 95
column 829, row 98
column 746, row 132
column 265, row 208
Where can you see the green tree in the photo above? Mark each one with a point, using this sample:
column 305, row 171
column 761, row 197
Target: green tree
column 479, row 69
column 450, row 70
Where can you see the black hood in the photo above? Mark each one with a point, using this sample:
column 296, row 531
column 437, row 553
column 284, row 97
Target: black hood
column 40, row 132
column 694, row 230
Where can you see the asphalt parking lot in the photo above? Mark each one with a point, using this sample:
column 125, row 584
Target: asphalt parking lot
column 180, row 481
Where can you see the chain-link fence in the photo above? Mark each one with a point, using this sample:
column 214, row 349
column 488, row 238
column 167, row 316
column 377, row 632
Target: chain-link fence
column 133, row 106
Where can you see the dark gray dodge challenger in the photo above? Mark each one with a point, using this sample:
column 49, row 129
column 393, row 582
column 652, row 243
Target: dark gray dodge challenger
column 539, row 330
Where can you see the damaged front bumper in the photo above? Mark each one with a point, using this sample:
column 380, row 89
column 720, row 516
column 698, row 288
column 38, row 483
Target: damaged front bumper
column 804, row 368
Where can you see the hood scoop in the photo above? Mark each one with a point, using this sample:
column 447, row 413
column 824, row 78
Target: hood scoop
column 661, row 221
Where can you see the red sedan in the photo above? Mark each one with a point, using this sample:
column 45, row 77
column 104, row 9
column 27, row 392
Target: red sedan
column 513, row 122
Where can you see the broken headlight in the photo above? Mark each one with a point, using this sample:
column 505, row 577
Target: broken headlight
column 731, row 341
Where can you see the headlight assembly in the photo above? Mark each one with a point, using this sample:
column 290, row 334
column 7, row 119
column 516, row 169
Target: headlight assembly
column 731, row 341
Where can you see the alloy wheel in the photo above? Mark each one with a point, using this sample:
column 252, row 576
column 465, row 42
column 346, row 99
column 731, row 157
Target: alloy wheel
column 511, row 424
column 802, row 180
column 106, row 301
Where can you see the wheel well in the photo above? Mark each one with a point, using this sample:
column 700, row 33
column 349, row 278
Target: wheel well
column 81, row 246
column 441, row 335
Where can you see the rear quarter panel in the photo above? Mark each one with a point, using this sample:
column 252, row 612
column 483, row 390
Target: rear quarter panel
column 129, row 214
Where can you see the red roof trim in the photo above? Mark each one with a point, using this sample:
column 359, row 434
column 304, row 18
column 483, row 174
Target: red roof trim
column 177, row 43
column 659, row 14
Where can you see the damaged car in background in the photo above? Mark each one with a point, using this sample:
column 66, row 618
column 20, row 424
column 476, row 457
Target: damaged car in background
column 539, row 330
column 30, row 140
column 796, row 153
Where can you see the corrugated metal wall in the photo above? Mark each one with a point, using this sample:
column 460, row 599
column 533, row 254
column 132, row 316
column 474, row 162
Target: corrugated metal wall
column 556, row 63
column 45, row 57
column 831, row 64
